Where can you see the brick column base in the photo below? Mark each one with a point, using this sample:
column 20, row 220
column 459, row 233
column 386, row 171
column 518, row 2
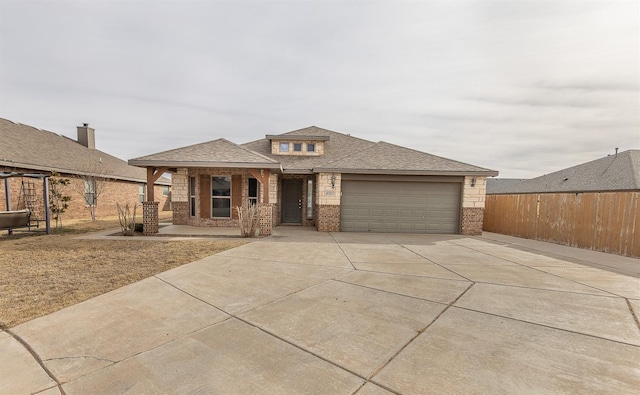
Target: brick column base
column 180, row 213
column 265, row 219
column 150, row 218
column 472, row 221
column 328, row 218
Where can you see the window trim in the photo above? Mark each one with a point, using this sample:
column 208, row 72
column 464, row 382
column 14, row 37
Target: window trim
column 142, row 192
column 214, row 197
column 311, row 145
column 297, row 145
column 90, row 192
column 281, row 145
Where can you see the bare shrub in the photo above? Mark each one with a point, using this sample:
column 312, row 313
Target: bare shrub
column 248, row 219
column 127, row 218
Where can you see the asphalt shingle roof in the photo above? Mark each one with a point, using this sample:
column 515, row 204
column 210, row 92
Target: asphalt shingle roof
column 220, row 152
column 346, row 153
column 496, row 184
column 386, row 157
column 27, row 147
column 342, row 152
column 612, row 173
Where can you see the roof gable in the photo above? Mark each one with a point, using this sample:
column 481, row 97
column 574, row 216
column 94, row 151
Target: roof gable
column 611, row 173
column 220, row 152
column 31, row 148
column 337, row 145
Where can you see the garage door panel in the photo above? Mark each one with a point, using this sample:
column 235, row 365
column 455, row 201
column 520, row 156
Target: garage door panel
column 384, row 206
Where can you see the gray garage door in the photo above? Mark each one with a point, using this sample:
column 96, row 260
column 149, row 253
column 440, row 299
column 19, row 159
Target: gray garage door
column 387, row 206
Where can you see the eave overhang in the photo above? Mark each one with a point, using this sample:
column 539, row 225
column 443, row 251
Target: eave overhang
column 483, row 173
column 175, row 163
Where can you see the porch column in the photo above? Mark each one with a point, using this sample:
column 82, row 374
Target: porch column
column 149, row 206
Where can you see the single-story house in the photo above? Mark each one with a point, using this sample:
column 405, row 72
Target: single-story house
column 97, row 180
column 317, row 177
column 594, row 205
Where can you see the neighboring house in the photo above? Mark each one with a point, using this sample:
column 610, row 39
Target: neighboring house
column 496, row 184
column 96, row 178
column 595, row 205
column 317, row 177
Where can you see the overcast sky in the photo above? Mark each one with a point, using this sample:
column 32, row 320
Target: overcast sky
column 523, row 87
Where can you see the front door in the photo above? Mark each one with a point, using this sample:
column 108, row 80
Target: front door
column 291, row 201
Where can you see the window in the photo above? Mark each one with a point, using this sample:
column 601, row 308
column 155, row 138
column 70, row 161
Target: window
column 192, row 196
column 165, row 190
column 90, row 191
column 311, row 147
column 253, row 191
column 297, row 147
column 284, row 147
column 141, row 192
column 221, row 196
column 310, row 199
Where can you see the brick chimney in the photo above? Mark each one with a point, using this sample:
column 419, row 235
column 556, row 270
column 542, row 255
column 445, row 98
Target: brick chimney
column 87, row 136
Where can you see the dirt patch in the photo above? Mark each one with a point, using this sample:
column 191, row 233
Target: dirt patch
column 40, row 274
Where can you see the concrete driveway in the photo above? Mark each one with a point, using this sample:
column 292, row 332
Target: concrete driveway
column 343, row 313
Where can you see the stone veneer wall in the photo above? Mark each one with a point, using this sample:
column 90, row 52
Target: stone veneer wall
column 328, row 202
column 180, row 196
column 473, row 199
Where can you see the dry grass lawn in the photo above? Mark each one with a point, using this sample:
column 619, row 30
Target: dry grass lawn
column 40, row 274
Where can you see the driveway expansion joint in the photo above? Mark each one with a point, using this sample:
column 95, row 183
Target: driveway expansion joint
column 36, row 357
column 419, row 332
column 633, row 313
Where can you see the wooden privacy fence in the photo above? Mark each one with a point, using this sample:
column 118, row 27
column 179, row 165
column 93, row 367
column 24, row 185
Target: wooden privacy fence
column 601, row 221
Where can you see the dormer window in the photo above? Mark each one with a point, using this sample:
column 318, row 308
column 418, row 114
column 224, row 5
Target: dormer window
column 297, row 144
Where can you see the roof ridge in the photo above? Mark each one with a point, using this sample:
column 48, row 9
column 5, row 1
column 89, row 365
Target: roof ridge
column 180, row 148
column 328, row 130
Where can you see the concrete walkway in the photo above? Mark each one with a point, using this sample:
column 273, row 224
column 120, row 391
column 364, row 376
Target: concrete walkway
column 342, row 313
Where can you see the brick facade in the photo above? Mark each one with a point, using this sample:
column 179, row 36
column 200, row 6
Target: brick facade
column 109, row 193
column 180, row 213
column 150, row 215
column 181, row 198
column 471, row 223
column 266, row 219
column 328, row 218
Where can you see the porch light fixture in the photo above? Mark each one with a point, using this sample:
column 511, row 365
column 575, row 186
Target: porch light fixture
column 473, row 181
column 333, row 181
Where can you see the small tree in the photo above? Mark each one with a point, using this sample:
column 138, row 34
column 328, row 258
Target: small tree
column 127, row 218
column 248, row 219
column 93, row 183
column 58, row 201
